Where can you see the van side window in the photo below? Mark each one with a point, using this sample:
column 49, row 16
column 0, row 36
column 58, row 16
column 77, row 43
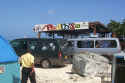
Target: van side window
column 52, row 46
column 32, row 45
column 15, row 44
column 44, row 46
column 70, row 44
column 113, row 44
column 49, row 46
column 85, row 44
column 105, row 44
column 19, row 44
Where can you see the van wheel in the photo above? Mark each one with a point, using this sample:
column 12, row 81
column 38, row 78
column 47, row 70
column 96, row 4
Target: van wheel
column 45, row 63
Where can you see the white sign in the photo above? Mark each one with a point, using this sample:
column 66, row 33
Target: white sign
column 82, row 25
column 70, row 26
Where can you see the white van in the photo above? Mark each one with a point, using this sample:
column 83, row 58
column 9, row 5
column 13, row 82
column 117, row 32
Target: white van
column 103, row 46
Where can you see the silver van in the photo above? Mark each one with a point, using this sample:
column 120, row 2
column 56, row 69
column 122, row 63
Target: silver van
column 103, row 46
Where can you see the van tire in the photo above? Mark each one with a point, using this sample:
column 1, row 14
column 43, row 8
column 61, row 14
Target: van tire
column 45, row 63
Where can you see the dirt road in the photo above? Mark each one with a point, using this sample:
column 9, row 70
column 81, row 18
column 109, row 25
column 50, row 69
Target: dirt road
column 62, row 75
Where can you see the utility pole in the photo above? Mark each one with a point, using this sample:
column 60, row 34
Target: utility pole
column 39, row 34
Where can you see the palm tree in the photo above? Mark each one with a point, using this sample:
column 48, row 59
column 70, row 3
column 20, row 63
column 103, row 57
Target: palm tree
column 121, row 30
column 114, row 26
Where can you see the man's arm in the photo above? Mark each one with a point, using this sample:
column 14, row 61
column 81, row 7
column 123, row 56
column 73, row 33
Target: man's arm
column 20, row 61
column 33, row 70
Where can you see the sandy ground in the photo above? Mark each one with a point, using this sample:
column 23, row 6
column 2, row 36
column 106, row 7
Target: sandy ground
column 62, row 75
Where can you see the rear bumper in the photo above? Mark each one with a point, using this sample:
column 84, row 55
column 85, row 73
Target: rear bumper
column 57, row 62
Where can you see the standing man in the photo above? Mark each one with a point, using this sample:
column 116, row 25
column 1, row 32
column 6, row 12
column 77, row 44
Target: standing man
column 27, row 62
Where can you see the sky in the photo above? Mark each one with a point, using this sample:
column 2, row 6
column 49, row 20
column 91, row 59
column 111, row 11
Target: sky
column 17, row 17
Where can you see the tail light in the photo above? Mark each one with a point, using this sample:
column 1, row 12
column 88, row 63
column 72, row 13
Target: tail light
column 60, row 55
column 2, row 69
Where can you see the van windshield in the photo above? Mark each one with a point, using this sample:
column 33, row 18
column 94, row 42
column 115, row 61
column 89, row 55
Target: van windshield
column 105, row 44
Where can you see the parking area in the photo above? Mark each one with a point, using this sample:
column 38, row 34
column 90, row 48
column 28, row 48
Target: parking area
column 62, row 75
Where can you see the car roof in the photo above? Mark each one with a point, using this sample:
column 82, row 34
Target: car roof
column 37, row 39
column 93, row 39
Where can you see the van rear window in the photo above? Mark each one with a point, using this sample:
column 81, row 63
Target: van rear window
column 85, row 44
column 105, row 44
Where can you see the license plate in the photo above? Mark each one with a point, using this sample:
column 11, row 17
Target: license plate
column 66, row 57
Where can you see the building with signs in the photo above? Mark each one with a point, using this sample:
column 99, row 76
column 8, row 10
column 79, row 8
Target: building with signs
column 71, row 30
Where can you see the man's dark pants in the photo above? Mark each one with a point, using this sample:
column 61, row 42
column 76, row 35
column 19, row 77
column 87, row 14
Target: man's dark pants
column 26, row 73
